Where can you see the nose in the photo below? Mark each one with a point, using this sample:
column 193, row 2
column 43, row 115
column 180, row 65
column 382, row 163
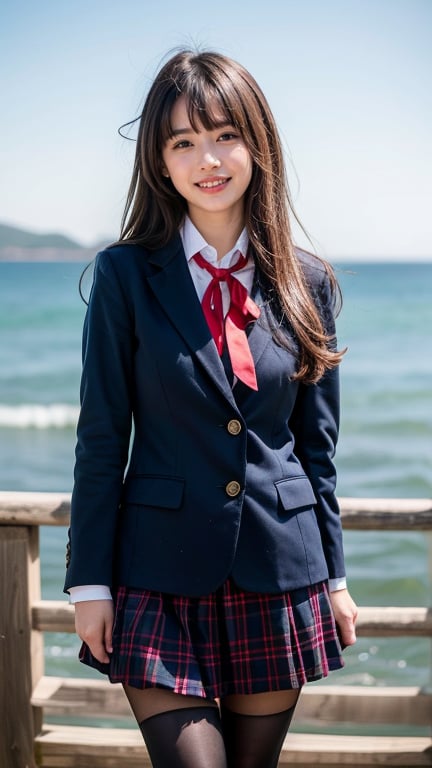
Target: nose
column 209, row 160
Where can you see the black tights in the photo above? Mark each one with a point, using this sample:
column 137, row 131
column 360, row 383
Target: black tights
column 200, row 737
column 185, row 738
column 254, row 741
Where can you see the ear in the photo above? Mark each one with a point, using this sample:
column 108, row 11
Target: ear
column 165, row 172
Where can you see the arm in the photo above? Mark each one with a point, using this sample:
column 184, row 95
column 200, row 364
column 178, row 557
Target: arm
column 315, row 425
column 103, row 429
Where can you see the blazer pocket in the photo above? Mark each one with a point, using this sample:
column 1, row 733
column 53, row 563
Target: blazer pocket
column 154, row 491
column 295, row 492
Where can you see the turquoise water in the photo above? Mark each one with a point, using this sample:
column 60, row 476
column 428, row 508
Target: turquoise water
column 385, row 444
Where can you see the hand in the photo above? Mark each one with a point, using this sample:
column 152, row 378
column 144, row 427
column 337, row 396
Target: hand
column 94, row 625
column 345, row 613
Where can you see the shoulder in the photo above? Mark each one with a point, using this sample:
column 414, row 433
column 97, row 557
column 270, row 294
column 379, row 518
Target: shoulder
column 319, row 276
column 323, row 286
column 114, row 272
column 124, row 264
column 126, row 258
column 120, row 257
column 315, row 270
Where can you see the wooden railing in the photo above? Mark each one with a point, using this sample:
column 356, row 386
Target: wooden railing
column 28, row 698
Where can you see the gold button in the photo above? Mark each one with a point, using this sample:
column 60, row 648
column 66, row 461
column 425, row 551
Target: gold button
column 234, row 427
column 233, row 488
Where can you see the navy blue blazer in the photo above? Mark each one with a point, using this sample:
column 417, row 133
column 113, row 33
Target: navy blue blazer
column 219, row 482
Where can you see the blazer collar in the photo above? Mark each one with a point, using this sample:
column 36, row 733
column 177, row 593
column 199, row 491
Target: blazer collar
column 173, row 287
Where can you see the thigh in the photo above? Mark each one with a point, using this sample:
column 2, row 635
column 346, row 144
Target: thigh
column 153, row 701
column 254, row 727
column 179, row 731
column 262, row 703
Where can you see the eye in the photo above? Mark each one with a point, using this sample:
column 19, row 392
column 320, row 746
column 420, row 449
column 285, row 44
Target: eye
column 228, row 136
column 182, row 144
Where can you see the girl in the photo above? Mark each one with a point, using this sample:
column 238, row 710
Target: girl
column 207, row 568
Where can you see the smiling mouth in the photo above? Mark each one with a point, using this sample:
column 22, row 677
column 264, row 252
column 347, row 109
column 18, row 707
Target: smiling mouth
column 212, row 184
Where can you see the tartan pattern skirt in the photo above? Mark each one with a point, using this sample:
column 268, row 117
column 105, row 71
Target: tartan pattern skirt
column 229, row 641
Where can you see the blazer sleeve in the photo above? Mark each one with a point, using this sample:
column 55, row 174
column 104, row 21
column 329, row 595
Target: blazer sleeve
column 315, row 425
column 104, row 428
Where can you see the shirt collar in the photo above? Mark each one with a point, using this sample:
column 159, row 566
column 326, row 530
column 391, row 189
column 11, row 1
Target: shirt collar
column 193, row 242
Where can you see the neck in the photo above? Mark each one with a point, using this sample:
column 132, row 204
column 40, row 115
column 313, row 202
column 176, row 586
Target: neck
column 219, row 231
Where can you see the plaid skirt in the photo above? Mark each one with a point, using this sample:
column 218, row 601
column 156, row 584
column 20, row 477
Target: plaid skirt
column 230, row 641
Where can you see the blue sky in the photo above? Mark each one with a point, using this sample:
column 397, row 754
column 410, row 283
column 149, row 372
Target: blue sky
column 349, row 82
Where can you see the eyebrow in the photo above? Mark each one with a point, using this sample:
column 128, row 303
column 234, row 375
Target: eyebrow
column 179, row 131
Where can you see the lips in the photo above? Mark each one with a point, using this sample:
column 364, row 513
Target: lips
column 212, row 183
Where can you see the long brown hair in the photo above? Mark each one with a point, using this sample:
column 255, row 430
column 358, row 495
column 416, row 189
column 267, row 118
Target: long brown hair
column 154, row 210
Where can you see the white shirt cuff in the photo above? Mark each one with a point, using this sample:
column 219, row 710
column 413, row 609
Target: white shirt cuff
column 89, row 592
column 336, row 584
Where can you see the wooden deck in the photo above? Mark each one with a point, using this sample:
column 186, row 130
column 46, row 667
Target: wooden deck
column 29, row 698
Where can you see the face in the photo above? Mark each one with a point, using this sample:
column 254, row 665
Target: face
column 211, row 169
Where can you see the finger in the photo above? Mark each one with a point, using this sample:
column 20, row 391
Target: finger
column 108, row 637
column 99, row 652
column 347, row 632
column 349, row 638
column 95, row 642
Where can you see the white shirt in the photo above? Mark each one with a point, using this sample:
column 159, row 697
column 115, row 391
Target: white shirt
column 193, row 242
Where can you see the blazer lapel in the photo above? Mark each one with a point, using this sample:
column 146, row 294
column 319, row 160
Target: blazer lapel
column 259, row 335
column 173, row 287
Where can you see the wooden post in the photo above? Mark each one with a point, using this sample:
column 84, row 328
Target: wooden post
column 21, row 649
column 429, row 544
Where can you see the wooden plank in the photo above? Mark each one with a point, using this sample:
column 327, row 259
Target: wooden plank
column 31, row 508
column 386, row 514
column 318, row 703
column 407, row 705
column 58, row 616
column 398, row 621
column 53, row 616
column 360, row 751
column 77, row 696
column 75, row 747
column 17, row 551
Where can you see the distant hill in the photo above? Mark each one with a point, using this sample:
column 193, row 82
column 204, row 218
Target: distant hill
column 23, row 245
column 13, row 237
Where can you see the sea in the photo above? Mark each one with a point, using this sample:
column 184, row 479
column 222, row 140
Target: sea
column 385, row 445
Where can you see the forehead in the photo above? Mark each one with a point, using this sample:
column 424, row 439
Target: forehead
column 186, row 115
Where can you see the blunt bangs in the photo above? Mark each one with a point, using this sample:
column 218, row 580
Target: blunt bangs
column 209, row 104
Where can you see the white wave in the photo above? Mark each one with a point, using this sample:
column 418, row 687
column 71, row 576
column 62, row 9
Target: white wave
column 57, row 415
